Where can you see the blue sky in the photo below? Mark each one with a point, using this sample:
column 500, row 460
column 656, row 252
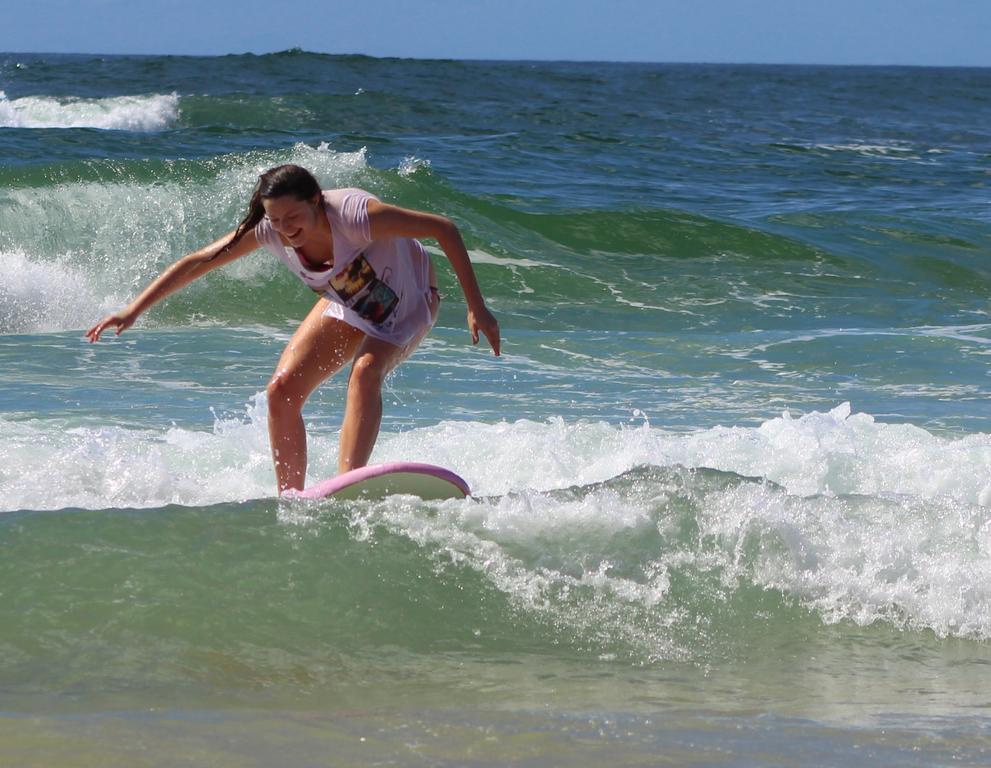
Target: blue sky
column 922, row 32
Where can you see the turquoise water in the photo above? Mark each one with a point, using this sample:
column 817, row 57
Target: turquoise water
column 732, row 474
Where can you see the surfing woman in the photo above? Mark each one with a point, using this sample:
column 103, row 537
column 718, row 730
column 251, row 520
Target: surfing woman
column 378, row 300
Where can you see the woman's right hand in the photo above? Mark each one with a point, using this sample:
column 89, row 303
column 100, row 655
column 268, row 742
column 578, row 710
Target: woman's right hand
column 122, row 321
column 484, row 321
column 190, row 267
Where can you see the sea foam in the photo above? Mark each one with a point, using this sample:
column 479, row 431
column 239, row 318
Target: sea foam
column 38, row 295
column 156, row 112
column 831, row 455
column 586, row 522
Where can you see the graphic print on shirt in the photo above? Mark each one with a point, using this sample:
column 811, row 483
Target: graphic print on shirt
column 361, row 290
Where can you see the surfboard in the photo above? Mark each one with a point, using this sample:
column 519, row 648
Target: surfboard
column 377, row 481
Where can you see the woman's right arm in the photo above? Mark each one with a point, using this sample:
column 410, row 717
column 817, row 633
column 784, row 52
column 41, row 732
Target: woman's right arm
column 179, row 275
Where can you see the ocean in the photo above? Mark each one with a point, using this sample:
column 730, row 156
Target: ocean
column 732, row 473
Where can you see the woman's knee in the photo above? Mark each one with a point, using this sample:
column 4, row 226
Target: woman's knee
column 283, row 393
column 367, row 374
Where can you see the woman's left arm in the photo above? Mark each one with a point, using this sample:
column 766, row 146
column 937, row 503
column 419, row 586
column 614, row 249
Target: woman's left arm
column 391, row 221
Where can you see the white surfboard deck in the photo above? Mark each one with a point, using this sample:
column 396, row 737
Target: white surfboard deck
column 377, row 481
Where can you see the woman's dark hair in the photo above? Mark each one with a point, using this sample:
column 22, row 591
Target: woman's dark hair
column 281, row 181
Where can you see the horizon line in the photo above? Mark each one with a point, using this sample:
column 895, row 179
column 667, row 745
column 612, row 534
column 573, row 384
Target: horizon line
column 303, row 51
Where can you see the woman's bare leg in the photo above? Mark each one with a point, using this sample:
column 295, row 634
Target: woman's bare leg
column 363, row 412
column 373, row 361
column 319, row 348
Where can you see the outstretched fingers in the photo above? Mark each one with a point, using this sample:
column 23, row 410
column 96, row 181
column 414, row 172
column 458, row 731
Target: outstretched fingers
column 121, row 323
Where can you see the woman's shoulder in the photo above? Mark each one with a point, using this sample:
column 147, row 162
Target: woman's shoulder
column 348, row 211
column 339, row 198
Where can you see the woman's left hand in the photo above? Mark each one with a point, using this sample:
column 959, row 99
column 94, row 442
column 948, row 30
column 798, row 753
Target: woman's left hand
column 484, row 321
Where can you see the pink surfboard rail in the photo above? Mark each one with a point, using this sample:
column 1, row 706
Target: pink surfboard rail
column 425, row 480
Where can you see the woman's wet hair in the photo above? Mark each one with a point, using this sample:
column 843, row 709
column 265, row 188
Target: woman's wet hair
column 281, row 181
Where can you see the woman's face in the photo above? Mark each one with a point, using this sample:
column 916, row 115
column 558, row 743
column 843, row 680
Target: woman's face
column 296, row 220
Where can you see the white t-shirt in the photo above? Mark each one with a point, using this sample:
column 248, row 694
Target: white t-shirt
column 380, row 287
